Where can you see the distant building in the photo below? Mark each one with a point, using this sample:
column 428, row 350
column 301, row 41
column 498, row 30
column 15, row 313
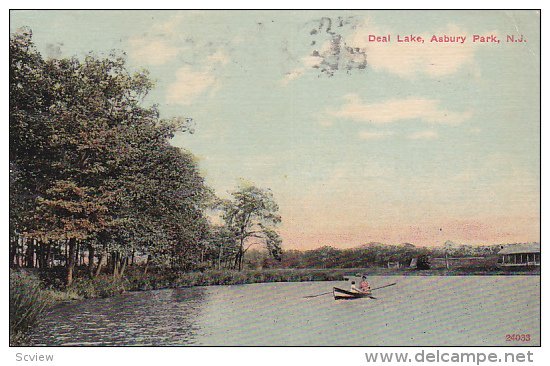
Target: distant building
column 520, row 255
column 394, row 265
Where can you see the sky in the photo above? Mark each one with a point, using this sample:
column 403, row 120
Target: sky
column 391, row 142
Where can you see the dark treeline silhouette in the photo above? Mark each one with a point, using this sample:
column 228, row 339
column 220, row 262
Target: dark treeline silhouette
column 368, row 255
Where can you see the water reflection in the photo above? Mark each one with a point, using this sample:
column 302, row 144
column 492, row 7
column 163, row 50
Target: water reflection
column 418, row 311
column 153, row 318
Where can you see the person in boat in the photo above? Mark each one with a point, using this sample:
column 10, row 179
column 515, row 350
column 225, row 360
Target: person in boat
column 358, row 290
column 364, row 286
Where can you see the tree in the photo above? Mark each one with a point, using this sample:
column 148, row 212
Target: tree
column 423, row 262
column 92, row 167
column 221, row 245
column 251, row 215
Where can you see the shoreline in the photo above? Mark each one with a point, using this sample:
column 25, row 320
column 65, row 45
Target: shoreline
column 106, row 285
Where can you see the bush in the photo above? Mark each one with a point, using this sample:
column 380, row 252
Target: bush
column 27, row 304
column 102, row 286
column 423, row 262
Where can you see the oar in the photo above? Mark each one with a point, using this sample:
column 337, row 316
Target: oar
column 378, row 288
column 324, row 293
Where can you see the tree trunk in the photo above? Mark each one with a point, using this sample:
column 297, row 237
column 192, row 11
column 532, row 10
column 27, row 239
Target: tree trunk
column 241, row 254
column 13, row 251
column 147, row 263
column 66, row 253
column 71, row 261
column 115, row 264
column 49, row 255
column 220, row 258
column 77, row 254
column 91, row 256
column 30, row 254
column 100, row 264
column 123, row 264
column 40, row 254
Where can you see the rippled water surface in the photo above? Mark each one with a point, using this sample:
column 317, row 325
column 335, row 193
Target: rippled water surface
column 418, row 311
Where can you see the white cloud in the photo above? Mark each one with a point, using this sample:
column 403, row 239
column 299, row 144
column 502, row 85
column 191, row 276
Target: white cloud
column 170, row 26
column 152, row 51
column 306, row 63
column 423, row 135
column 427, row 110
column 189, row 85
column 292, row 75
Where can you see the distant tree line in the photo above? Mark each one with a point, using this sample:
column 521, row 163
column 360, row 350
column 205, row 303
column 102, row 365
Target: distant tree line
column 369, row 255
column 95, row 182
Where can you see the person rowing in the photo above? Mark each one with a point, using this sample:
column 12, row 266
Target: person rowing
column 360, row 289
column 364, row 286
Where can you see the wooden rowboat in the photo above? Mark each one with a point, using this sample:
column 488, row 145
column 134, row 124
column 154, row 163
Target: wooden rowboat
column 340, row 294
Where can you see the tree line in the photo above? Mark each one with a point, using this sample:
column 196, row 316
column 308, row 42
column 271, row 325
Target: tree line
column 368, row 255
column 95, row 182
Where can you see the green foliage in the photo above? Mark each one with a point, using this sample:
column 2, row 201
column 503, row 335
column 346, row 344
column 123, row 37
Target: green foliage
column 251, row 216
column 423, row 262
column 173, row 278
column 101, row 286
column 91, row 165
column 27, row 305
column 369, row 255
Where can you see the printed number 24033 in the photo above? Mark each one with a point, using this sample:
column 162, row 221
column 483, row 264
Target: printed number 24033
column 518, row 337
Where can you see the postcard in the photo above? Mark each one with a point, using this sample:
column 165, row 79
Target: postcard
column 275, row 178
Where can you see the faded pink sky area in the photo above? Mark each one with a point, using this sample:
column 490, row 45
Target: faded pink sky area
column 476, row 232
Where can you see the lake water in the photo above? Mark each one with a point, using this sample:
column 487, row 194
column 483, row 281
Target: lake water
column 418, row 311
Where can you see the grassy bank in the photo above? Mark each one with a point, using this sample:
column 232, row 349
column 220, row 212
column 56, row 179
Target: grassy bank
column 136, row 280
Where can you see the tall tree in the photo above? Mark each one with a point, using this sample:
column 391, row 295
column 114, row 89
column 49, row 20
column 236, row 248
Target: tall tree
column 91, row 166
column 252, row 214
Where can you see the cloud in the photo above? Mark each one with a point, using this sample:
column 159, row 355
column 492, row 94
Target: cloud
column 171, row 26
column 427, row 110
column 189, row 85
column 408, row 60
column 423, row 135
column 292, row 75
column 306, row 63
column 152, row 51
column 374, row 135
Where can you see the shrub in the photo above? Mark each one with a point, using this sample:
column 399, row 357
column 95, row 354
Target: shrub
column 102, row 286
column 423, row 262
column 27, row 304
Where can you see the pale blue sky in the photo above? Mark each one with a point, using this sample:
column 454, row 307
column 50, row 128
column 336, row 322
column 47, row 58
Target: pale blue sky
column 428, row 136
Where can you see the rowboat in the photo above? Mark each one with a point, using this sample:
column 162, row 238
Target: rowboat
column 340, row 294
